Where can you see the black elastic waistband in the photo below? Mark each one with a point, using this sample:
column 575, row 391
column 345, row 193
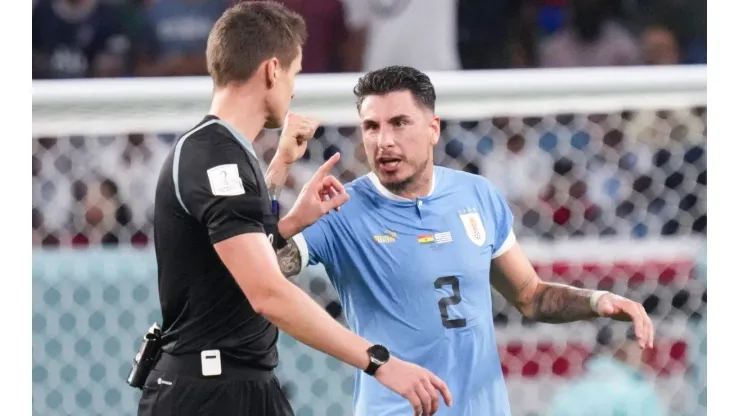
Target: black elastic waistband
column 189, row 365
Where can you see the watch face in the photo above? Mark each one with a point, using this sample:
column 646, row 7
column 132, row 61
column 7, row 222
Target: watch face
column 380, row 353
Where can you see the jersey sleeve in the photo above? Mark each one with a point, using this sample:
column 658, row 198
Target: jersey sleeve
column 503, row 219
column 217, row 185
column 314, row 243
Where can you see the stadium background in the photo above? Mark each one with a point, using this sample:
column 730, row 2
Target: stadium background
column 605, row 170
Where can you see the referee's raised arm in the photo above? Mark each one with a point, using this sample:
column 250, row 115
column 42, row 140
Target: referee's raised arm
column 216, row 231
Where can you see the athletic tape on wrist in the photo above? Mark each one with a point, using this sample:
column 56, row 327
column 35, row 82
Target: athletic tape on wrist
column 594, row 299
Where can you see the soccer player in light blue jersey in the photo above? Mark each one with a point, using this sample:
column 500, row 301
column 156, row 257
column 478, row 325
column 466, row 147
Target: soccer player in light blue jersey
column 414, row 252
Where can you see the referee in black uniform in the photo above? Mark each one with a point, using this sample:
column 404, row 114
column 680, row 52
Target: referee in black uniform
column 216, row 231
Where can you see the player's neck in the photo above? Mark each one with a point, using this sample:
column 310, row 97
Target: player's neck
column 244, row 111
column 419, row 188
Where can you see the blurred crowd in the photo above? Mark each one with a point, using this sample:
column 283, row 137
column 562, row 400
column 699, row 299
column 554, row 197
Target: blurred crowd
column 123, row 38
column 632, row 174
column 639, row 173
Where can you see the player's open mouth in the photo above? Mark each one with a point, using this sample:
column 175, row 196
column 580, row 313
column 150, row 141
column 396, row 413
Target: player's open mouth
column 389, row 163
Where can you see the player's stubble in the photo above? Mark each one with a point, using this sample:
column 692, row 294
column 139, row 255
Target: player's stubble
column 403, row 185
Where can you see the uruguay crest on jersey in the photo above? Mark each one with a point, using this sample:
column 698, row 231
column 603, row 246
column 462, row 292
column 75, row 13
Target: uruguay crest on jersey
column 473, row 226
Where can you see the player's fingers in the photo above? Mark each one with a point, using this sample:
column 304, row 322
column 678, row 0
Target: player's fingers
column 333, row 182
column 329, row 193
column 433, row 394
column 324, row 169
column 647, row 331
column 639, row 322
column 649, row 328
column 336, row 187
column 441, row 386
column 333, row 194
column 425, row 398
column 334, row 203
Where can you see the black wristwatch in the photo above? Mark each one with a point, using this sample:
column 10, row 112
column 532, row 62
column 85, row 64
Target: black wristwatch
column 379, row 355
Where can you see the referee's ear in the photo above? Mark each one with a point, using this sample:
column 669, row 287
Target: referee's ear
column 270, row 68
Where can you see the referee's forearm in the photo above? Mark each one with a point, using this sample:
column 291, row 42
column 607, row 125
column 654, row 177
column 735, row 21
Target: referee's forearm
column 276, row 175
column 295, row 313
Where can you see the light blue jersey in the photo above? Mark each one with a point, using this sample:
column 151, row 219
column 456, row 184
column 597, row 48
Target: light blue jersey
column 414, row 276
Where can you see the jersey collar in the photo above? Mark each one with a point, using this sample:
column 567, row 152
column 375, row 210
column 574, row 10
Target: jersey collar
column 390, row 195
column 242, row 140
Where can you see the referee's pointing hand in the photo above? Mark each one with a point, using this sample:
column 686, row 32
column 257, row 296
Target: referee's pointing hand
column 321, row 194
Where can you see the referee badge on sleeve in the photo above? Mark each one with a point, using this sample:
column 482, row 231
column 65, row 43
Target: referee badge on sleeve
column 225, row 180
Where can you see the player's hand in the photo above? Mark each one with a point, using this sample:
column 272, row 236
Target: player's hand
column 297, row 131
column 619, row 308
column 321, row 194
column 418, row 385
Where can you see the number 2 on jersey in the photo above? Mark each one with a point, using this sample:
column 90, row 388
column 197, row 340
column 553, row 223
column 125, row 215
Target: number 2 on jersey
column 450, row 300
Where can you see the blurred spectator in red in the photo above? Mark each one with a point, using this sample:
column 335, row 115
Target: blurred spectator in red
column 417, row 33
column 659, row 46
column 328, row 47
column 78, row 39
column 590, row 39
column 173, row 34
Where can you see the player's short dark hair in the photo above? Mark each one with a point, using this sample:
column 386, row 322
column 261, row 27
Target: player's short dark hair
column 393, row 79
column 249, row 33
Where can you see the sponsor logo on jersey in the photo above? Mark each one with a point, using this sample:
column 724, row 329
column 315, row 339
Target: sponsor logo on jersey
column 385, row 238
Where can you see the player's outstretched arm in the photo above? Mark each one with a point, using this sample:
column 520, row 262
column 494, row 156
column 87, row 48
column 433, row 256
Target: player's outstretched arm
column 513, row 276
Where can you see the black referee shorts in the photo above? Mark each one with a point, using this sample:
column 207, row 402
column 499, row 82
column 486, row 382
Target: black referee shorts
column 175, row 387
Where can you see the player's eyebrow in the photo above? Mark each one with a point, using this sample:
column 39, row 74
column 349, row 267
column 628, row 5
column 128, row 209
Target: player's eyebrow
column 397, row 118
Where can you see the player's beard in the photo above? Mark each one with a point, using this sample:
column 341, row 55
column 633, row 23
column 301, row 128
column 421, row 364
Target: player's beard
column 403, row 185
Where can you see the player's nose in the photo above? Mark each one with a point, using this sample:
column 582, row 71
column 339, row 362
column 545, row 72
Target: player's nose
column 385, row 139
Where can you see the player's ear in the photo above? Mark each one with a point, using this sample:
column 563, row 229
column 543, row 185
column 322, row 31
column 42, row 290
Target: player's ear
column 271, row 71
column 435, row 127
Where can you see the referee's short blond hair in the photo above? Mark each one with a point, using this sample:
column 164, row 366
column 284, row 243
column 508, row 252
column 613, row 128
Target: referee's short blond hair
column 250, row 33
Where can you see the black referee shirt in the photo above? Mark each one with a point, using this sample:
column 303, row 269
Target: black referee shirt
column 210, row 189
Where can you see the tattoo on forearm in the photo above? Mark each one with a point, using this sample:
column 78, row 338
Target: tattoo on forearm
column 275, row 179
column 555, row 303
column 289, row 259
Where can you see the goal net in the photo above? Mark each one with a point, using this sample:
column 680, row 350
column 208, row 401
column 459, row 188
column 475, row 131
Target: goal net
column 604, row 169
